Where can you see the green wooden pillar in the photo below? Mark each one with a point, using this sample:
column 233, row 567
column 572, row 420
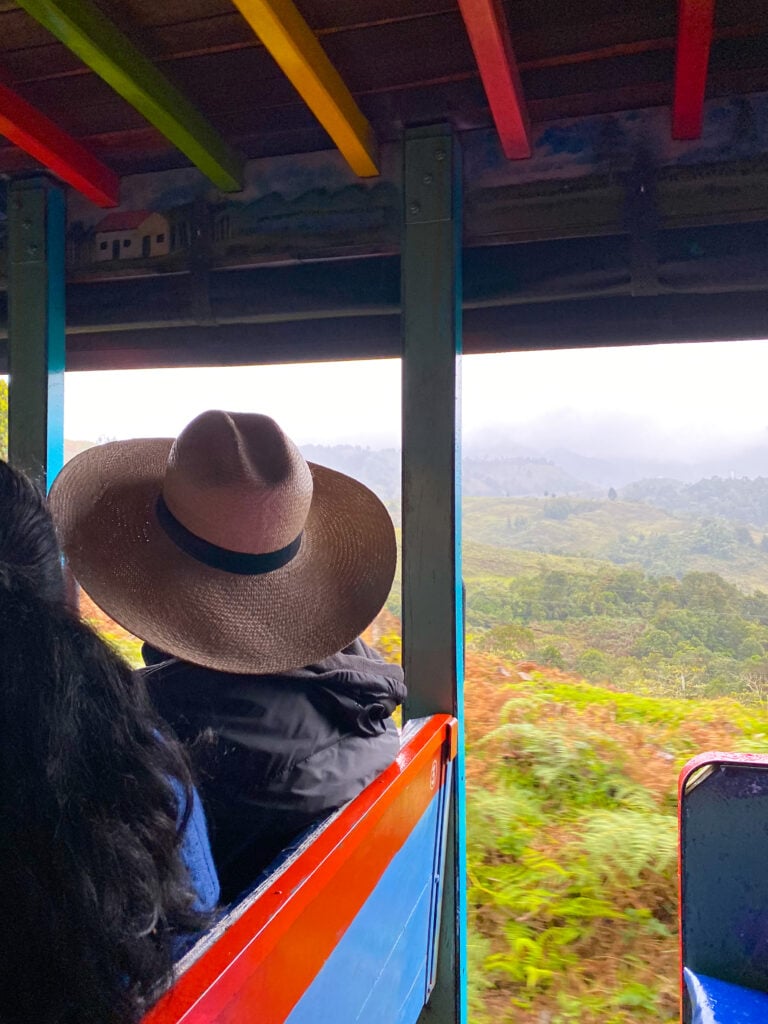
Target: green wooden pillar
column 433, row 627
column 36, row 328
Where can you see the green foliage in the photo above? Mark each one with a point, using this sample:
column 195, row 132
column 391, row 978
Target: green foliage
column 572, row 801
column 509, row 641
column 593, row 663
column 572, row 858
column 742, row 500
column 559, row 508
column 390, row 646
column 695, row 636
column 478, row 981
column 128, row 647
column 626, row 532
column 648, row 842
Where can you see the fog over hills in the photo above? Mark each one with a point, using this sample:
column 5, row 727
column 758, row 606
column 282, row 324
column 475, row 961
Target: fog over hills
column 527, row 472
column 615, row 450
column 566, row 455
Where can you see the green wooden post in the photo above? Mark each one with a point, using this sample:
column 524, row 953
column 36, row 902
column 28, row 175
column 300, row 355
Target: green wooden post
column 433, row 628
column 36, row 328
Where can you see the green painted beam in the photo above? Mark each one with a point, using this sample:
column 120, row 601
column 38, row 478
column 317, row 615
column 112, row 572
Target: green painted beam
column 102, row 46
column 433, row 623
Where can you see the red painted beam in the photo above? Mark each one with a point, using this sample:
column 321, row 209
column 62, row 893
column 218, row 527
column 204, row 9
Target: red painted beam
column 488, row 33
column 30, row 130
column 695, row 22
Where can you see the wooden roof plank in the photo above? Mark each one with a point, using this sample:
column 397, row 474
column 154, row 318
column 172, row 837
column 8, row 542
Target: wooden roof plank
column 295, row 48
column 695, row 21
column 489, row 35
column 35, row 133
column 103, row 47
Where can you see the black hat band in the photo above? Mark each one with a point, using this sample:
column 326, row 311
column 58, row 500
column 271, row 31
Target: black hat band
column 238, row 562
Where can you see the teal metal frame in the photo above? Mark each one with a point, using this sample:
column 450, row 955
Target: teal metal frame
column 36, row 328
column 433, row 619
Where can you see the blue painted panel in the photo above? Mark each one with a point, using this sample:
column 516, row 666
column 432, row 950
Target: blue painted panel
column 56, row 332
column 441, row 848
column 719, row 1002
column 378, row 971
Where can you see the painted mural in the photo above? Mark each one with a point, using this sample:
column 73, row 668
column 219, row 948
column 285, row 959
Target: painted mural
column 291, row 208
column 310, row 206
column 578, row 173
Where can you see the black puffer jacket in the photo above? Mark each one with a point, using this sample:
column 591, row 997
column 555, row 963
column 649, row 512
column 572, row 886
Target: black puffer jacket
column 273, row 753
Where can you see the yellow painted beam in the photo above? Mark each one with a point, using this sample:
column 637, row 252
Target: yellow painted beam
column 289, row 39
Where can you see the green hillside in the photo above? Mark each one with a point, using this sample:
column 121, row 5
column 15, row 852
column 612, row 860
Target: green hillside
column 742, row 500
column 626, row 533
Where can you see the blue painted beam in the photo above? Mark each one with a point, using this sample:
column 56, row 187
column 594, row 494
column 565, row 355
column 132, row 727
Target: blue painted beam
column 36, row 321
column 433, row 627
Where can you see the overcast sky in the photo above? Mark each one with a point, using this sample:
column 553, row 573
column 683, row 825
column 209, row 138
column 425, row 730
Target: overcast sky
column 683, row 399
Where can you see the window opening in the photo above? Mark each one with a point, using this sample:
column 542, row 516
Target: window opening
column 616, row 569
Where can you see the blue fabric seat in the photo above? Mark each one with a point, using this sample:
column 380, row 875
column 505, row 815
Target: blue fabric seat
column 720, row 1002
column 196, row 854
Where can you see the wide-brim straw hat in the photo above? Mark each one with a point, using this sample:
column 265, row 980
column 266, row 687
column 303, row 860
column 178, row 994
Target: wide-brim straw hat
column 225, row 547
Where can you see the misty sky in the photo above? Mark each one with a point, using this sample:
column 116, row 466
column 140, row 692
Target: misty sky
column 677, row 401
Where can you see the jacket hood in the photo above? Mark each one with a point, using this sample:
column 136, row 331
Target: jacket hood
column 358, row 686
column 365, row 689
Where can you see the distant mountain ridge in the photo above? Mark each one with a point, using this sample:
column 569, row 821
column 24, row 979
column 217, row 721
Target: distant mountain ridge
column 682, row 488
column 559, row 474
column 496, row 477
column 741, row 500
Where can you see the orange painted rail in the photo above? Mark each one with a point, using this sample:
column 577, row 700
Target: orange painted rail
column 262, row 957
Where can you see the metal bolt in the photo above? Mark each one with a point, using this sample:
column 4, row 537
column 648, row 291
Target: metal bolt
column 414, row 208
column 26, row 223
column 32, row 250
column 427, row 179
column 440, row 155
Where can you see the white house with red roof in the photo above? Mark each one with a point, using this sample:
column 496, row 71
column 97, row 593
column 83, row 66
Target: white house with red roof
column 131, row 235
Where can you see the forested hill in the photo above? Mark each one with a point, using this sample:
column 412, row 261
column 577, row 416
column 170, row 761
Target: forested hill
column 496, row 477
column 741, row 500
column 622, row 533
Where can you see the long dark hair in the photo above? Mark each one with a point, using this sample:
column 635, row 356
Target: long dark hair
column 92, row 886
column 27, row 538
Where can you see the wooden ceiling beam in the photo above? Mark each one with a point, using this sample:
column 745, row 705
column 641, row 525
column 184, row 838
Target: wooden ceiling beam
column 695, row 23
column 106, row 50
column 295, row 48
column 31, row 130
column 489, row 35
